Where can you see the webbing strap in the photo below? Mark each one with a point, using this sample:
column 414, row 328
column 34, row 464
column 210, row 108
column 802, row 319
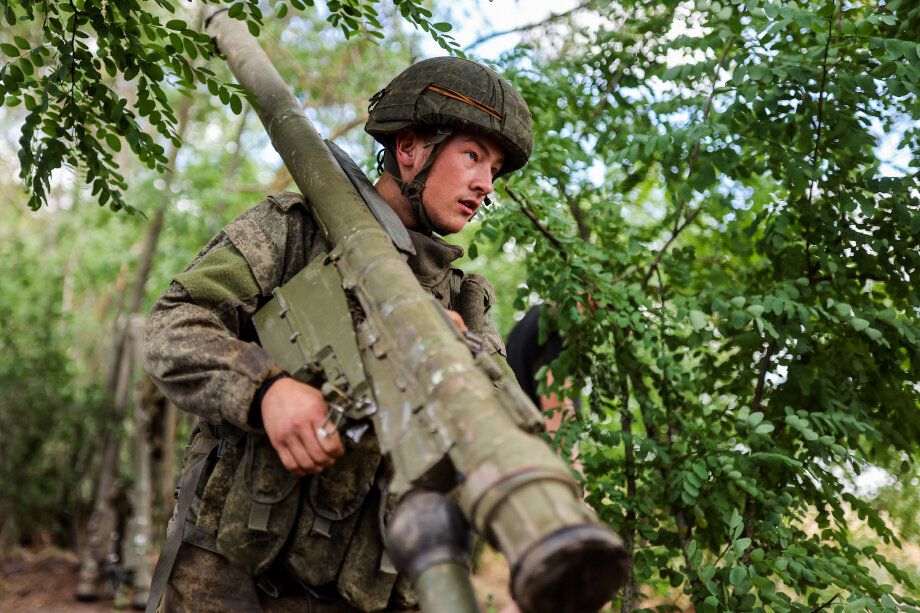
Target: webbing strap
column 259, row 515
column 174, row 538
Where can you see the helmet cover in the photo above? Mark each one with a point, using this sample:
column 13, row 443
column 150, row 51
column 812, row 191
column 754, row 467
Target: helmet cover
column 454, row 93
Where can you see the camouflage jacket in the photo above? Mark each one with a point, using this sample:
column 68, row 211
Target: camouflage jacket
column 202, row 351
column 201, row 347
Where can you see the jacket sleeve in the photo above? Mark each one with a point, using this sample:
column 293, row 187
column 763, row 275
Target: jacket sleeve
column 474, row 303
column 194, row 354
column 200, row 344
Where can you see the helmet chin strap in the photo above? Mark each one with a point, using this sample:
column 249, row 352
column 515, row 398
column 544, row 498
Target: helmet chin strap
column 413, row 189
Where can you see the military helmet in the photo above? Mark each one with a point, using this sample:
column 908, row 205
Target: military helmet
column 454, row 93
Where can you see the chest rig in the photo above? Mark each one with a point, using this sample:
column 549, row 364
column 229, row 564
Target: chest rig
column 324, row 530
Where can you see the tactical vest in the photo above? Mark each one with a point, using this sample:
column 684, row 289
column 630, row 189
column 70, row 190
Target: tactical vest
column 325, row 530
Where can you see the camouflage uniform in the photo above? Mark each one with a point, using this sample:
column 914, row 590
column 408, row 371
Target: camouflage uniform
column 202, row 352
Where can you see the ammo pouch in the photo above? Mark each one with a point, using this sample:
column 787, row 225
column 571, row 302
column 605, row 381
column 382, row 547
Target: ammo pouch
column 329, row 512
column 260, row 508
column 337, row 536
column 325, row 529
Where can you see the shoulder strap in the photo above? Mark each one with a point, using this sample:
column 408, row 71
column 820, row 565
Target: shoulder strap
column 375, row 202
column 174, row 538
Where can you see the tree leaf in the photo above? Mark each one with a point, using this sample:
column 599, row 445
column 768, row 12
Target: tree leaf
column 737, row 575
column 236, row 10
column 697, row 319
column 113, row 142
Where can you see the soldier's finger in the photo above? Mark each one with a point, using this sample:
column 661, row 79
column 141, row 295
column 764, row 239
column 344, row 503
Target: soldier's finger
column 457, row 319
column 290, row 463
column 305, row 457
column 331, row 443
column 313, row 446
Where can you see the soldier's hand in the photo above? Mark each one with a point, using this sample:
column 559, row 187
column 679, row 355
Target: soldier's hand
column 291, row 414
column 457, row 319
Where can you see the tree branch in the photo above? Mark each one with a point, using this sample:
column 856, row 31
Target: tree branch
column 536, row 222
column 552, row 18
column 776, row 144
column 712, row 92
column 677, row 230
column 814, row 157
column 629, row 531
column 826, row 604
column 678, row 227
column 605, row 96
column 623, row 275
column 583, row 230
column 761, row 378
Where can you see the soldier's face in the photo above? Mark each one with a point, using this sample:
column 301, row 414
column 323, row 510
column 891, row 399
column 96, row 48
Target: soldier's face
column 460, row 179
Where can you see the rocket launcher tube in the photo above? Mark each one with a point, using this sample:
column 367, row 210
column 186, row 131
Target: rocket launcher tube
column 437, row 414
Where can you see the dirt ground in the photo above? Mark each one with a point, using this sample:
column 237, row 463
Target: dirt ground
column 45, row 580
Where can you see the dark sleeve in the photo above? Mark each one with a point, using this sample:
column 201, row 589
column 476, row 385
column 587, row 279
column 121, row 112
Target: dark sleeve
column 524, row 352
column 526, row 355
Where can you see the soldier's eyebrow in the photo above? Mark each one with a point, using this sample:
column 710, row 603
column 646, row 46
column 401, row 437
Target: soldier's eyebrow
column 500, row 160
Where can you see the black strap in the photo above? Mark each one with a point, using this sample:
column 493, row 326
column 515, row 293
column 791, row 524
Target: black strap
column 375, row 202
column 174, row 538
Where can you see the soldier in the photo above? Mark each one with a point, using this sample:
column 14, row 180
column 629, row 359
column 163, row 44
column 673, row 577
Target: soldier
column 526, row 355
column 449, row 128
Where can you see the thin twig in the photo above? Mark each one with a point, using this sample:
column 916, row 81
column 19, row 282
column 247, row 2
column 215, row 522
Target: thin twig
column 629, row 532
column 675, row 233
column 814, row 157
column 536, row 222
column 73, row 64
column 583, row 230
column 750, row 513
column 613, row 82
column 623, row 275
column 827, row 604
column 762, row 376
column 553, row 17
column 724, row 551
column 605, row 98
column 712, row 92
column 678, row 227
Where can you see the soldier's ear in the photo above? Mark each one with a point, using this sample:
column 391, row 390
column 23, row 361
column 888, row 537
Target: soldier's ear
column 408, row 147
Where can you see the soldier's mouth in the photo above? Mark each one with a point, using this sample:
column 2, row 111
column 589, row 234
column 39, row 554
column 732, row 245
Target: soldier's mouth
column 469, row 206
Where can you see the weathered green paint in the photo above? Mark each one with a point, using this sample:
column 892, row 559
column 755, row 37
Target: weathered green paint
column 446, row 588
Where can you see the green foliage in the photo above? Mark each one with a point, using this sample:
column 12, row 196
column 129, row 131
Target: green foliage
column 708, row 214
column 49, row 407
column 67, row 270
column 75, row 61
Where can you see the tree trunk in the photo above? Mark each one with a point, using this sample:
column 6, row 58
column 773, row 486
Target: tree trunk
column 138, row 537
column 118, row 383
